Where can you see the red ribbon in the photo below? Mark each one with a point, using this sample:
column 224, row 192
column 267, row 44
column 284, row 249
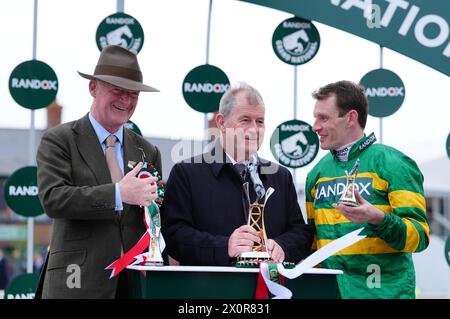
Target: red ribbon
column 121, row 263
column 261, row 288
column 262, row 292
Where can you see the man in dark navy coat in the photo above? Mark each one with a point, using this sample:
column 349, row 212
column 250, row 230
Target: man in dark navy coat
column 205, row 213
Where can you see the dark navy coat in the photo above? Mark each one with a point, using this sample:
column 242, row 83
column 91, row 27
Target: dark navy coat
column 204, row 204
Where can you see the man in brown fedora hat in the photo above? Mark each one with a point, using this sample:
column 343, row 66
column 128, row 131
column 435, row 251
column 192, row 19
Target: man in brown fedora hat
column 87, row 187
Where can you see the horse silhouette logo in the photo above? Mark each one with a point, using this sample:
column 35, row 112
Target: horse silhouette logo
column 120, row 36
column 295, row 146
column 296, row 42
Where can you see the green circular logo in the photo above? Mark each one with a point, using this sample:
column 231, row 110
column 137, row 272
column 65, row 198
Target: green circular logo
column 120, row 29
column 294, row 144
column 21, row 192
column 22, row 287
column 203, row 87
column 132, row 126
column 448, row 145
column 385, row 91
column 296, row 41
column 447, row 250
column 33, row 84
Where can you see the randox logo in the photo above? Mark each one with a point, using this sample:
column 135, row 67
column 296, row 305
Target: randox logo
column 28, row 295
column 23, row 190
column 296, row 41
column 22, row 287
column 294, row 144
column 331, row 191
column 119, row 20
column 369, row 141
column 384, row 91
column 34, row 84
column 205, row 87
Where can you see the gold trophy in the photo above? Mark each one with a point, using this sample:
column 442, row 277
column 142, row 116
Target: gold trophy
column 256, row 220
column 348, row 196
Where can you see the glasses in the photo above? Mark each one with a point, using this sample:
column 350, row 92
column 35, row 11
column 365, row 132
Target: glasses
column 121, row 92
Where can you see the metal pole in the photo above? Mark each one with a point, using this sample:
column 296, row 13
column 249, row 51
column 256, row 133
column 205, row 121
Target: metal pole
column 381, row 56
column 295, row 92
column 381, row 119
column 208, row 32
column 35, row 28
column 294, row 171
column 31, row 155
column 120, row 5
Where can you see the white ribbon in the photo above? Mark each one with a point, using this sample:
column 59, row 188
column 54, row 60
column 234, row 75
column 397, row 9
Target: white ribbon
column 281, row 292
column 322, row 254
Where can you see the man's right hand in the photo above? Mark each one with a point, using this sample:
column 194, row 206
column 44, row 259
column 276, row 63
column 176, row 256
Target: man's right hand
column 137, row 191
column 242, row 240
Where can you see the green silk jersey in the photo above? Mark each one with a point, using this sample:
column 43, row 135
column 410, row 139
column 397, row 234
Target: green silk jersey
column 380, row 265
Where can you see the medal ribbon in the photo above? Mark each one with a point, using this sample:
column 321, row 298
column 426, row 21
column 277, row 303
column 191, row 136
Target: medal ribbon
column 269, row 279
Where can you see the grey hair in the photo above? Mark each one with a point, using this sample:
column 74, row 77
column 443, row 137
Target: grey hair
column 228, row 100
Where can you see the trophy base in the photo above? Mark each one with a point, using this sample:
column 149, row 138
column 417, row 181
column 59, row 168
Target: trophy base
column 252, row 259
column 153, row 263
column 260, row 255
column 255, row 264
column 146, row 259
column 348, row 203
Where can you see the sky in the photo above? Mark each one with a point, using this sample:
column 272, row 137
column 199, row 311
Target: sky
column 240, row 44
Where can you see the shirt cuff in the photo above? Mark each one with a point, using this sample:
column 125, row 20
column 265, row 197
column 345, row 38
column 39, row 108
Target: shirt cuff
column 382, row 226
column 119, row 204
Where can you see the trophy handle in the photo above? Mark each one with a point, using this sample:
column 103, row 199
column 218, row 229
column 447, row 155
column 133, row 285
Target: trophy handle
column 269, row 193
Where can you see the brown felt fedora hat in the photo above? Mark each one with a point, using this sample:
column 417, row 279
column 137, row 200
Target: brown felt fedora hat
column 119, row 66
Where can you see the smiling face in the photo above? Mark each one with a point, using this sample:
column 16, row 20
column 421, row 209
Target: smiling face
column 243, row 130
column 334, row 131
column 112, row 106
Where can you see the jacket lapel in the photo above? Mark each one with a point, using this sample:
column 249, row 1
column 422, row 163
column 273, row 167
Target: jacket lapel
column 91, row 150
column 131, row 150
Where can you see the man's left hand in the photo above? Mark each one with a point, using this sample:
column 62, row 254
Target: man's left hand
column 363, row 213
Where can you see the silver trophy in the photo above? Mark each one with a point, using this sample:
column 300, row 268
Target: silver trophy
column 348, row 196
column 256, row 220
column 152, row 218
column 156, row 244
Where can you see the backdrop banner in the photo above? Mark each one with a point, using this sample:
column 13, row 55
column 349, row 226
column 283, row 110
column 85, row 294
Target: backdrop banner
column 418, row 29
